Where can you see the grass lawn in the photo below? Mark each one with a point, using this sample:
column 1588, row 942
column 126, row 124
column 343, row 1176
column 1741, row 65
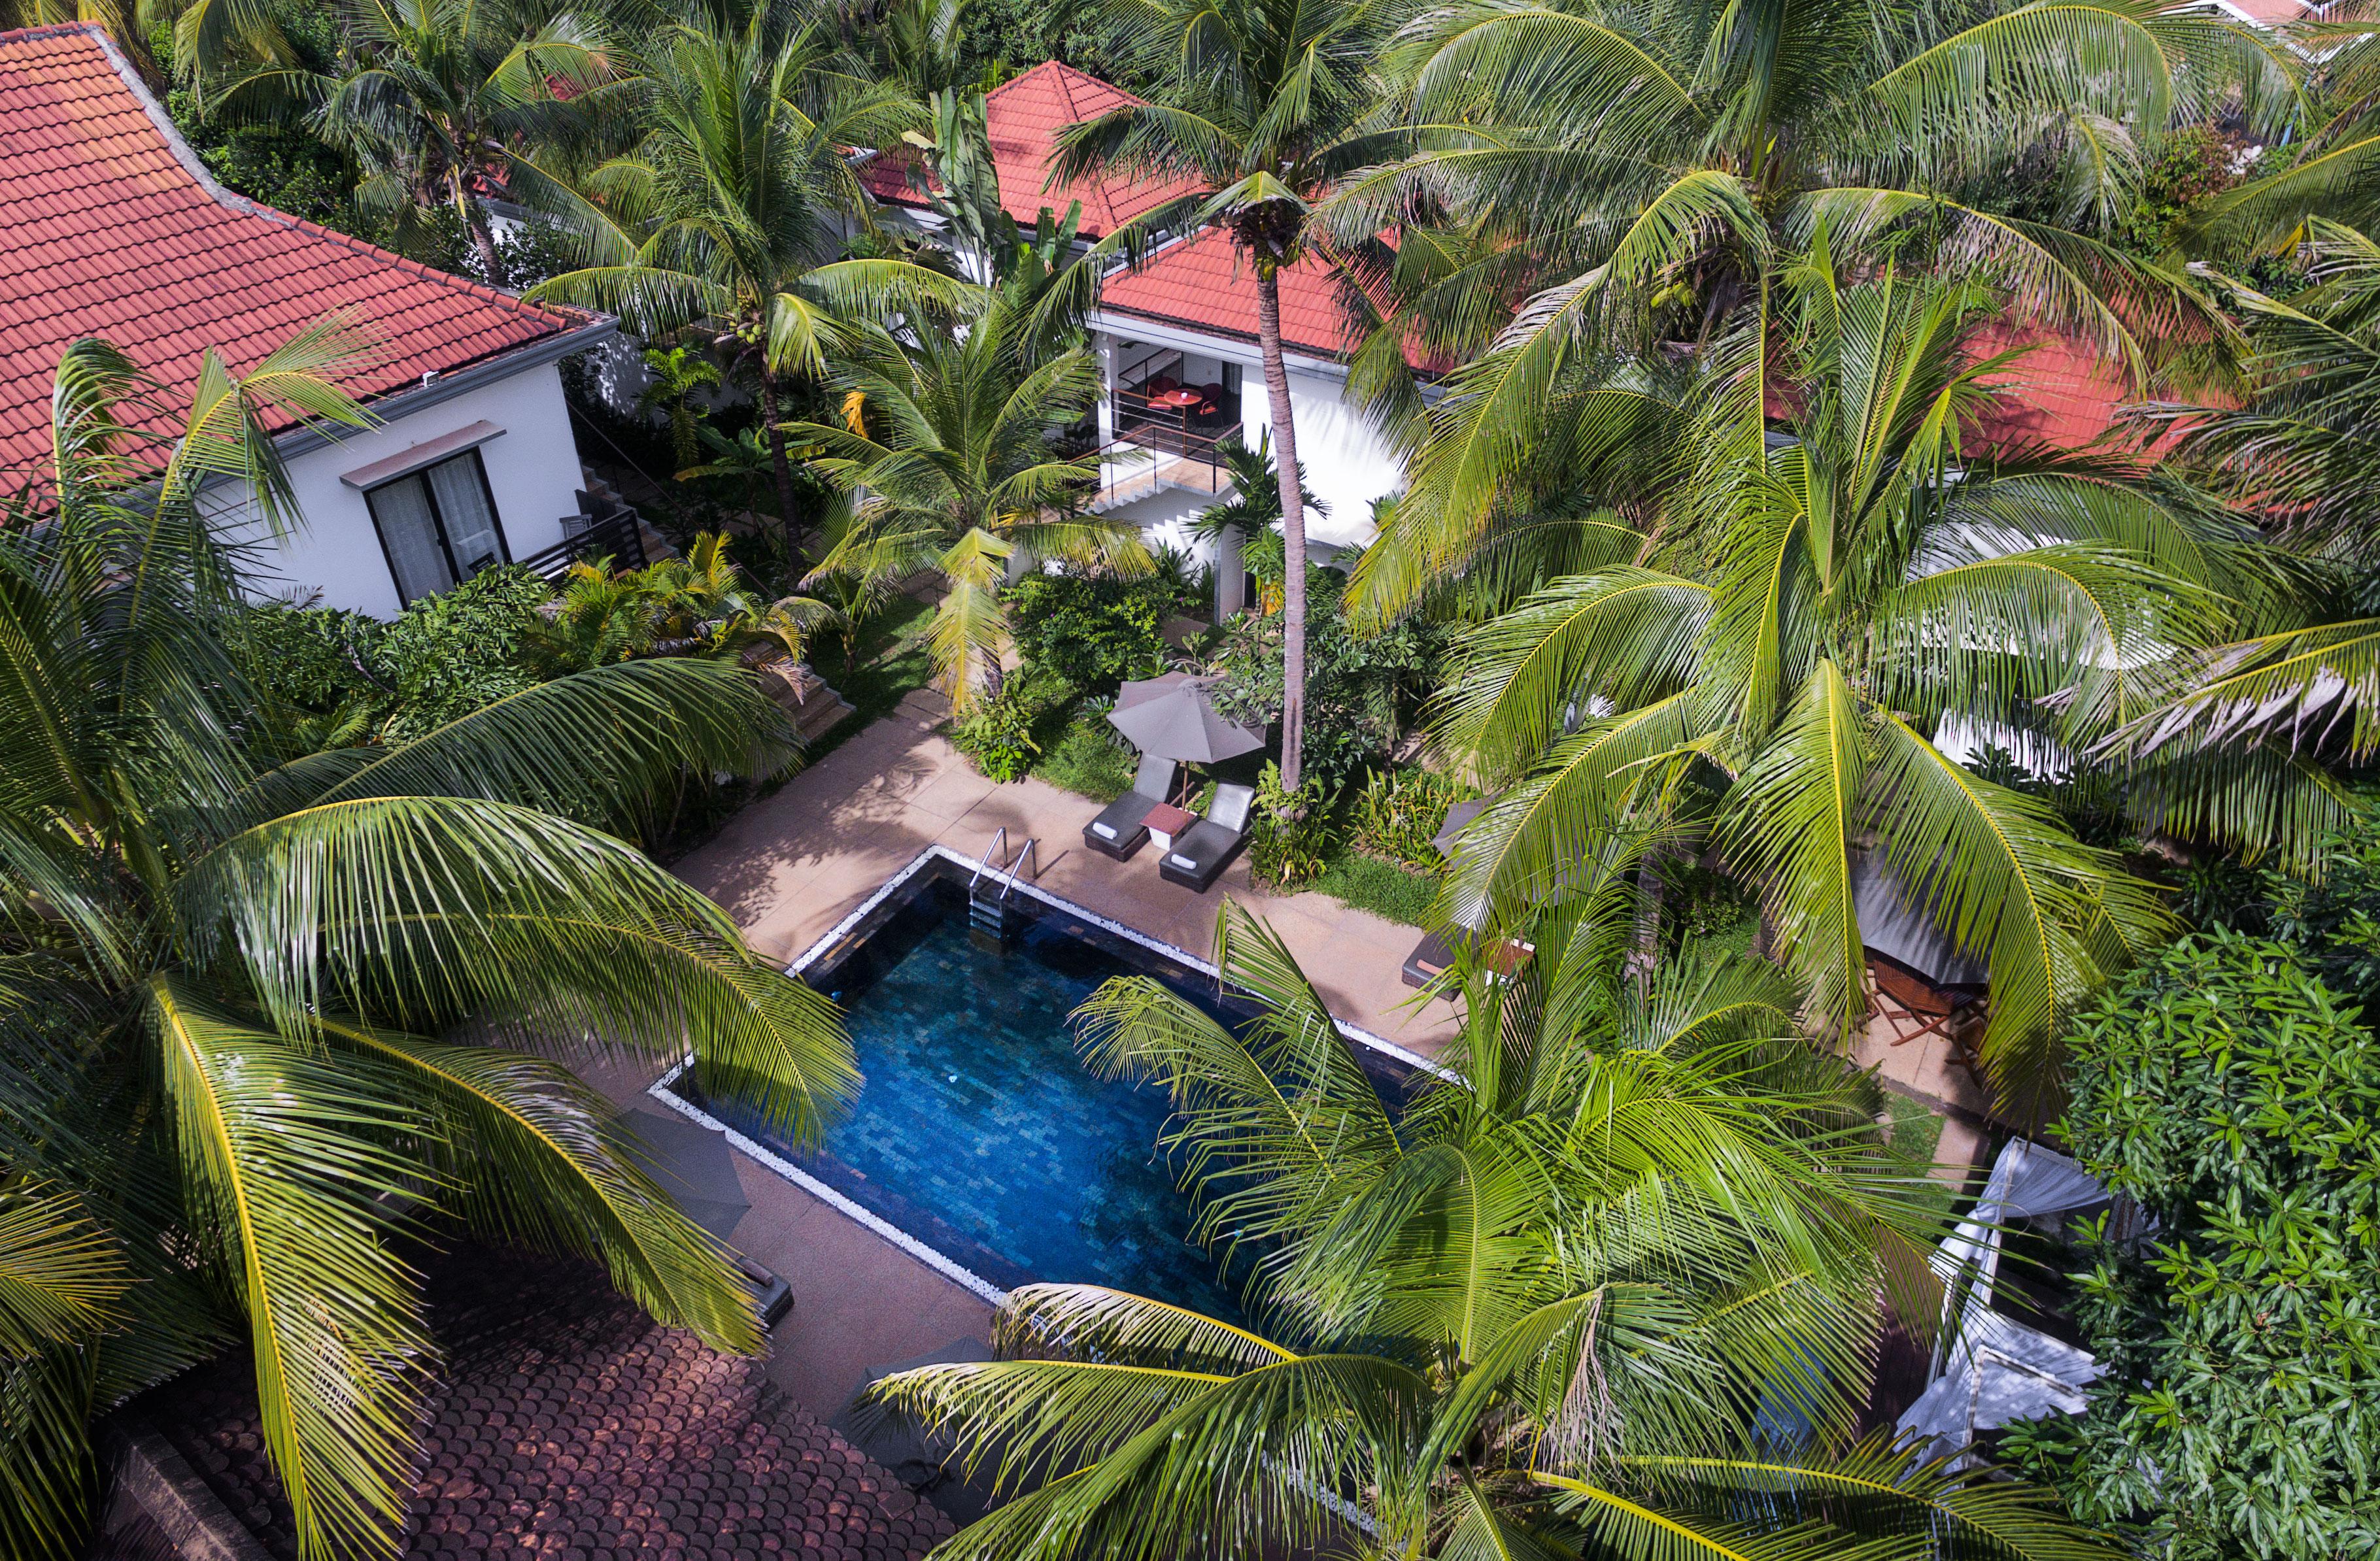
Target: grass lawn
column 1081, row 759
column 1386, row 890
column 892, row 665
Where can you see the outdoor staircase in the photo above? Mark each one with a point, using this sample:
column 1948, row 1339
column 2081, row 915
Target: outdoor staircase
column 1140, row 479
column 656, row 545
column 801, row 694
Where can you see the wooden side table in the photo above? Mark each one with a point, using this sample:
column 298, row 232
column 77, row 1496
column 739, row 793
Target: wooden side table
column 1165, row 821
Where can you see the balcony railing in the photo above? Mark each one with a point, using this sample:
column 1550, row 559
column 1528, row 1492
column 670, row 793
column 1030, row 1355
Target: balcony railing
column 1164, row 421
column 619, row 535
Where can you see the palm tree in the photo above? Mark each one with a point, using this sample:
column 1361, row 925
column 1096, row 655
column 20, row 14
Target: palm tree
column 676, row 376
column 1260, row 105
column 727, row 211
column 445, row 102
column 1608, row 1286
column 1774, row 675
column 1638, row 174
column 265, row 1020
column 956, row 446
column 2333, row 170
column 2247, row 748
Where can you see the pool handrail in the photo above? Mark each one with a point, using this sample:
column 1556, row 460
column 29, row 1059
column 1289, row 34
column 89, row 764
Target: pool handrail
column 999, row 839
column 1023, row 856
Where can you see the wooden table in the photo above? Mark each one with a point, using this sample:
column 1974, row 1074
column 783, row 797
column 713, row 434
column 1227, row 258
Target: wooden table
column 1165, row 821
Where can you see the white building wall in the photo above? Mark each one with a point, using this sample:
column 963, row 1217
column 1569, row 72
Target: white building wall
column 1348, row 467
column 1347, row 464
column 533, row 473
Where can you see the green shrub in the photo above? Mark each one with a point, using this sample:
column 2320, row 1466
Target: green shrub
column 2232, row 1095
column 1083, row 760
column 1399, row 813
column 1093, row 630
column 1289, row 832
column 998, row 734
column 1360, row 691
column 333, row 678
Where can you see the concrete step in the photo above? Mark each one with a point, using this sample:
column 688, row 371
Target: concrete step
column 801, row 694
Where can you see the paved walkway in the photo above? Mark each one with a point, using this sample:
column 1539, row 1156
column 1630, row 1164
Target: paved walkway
column 791, row 866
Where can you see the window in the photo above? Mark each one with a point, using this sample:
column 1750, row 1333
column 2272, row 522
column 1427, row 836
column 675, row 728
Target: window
column 438, row 526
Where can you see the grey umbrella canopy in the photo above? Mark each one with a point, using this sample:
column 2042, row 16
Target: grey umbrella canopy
column 1171, row 718
column 693, row 1165
column 1457, row 816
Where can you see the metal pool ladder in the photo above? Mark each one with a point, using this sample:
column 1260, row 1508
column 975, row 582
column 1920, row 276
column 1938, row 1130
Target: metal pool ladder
column 988, row 915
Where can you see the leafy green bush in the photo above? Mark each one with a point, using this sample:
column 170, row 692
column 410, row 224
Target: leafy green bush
column 333, row 678
column 1083, row 760
column 1289, row 832
column 1093, row 630
column 1399, row 813
column 2232, row 1095
column 998, row 734
column 1360, row 693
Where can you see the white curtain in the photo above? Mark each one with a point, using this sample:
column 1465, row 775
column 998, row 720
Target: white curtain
column 401, row 509
column 463, row 505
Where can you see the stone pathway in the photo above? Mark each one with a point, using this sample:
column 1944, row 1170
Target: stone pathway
column 791, row 866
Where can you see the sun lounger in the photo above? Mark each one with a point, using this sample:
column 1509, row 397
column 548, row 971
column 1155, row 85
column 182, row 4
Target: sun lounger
column 1119, row 832
column 1199, row 853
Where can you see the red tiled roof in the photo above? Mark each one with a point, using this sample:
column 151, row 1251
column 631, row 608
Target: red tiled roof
column 568, row 1424
column 1023, row 116
column 1204, row 283
column 104, row 231
column 2059, row 394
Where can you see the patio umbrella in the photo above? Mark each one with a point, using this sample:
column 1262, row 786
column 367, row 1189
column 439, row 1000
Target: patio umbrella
column 693, row 1165
column 1457, row 816
column 1172, row 717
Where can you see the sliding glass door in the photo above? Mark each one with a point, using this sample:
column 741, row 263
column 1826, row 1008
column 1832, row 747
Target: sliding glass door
column 438, row 526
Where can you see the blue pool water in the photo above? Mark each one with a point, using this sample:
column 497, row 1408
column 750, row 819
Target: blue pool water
column 980, row 1132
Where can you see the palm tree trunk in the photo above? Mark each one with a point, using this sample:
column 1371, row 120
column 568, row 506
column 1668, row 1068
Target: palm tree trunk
column 781, row 467
column 475, row 217
column 1292, row 528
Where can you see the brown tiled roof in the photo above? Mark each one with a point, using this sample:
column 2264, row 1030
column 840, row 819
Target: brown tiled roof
column 572, row 1427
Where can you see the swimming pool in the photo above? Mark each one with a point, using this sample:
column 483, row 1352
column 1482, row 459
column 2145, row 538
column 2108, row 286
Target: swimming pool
column 979, row 1135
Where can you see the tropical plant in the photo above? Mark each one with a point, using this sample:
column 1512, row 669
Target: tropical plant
column 1360, row 690
column 1259, row 106
column 324, row 678
column 1400, row 812
column 675, row 376
column 1630, row 176
column 1249, row 514
column 2236, row 1400
column 957, row 436
column 2247, row 748
column 1837, row 610
column 444, row 102
column 1094, row 630
column 2329, row 172
column 867, row 559
column 263, row 1023
column 697, row 604
column 730, row 210
column 1607, row 1286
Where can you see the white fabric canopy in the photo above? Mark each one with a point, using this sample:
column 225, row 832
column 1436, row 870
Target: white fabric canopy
column 1993, row 1370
